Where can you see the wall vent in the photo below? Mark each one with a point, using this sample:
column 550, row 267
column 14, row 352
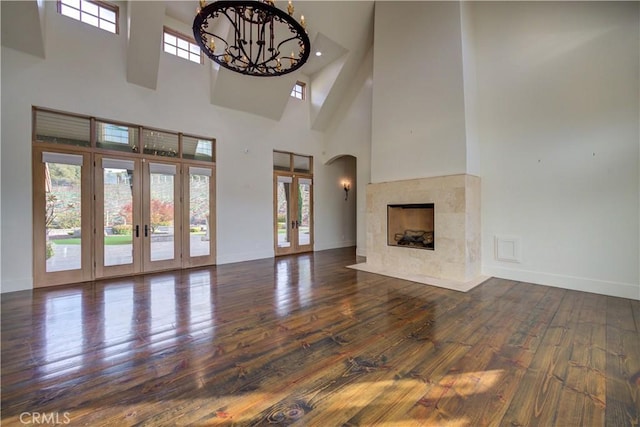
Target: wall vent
column 507, row 249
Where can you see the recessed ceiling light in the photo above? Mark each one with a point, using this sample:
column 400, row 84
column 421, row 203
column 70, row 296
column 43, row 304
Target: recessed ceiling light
column 318, row 53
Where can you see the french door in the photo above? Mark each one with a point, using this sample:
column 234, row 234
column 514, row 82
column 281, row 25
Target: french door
column 138, row 214
column 293, row 213
column 113, row 199
column 116, row 215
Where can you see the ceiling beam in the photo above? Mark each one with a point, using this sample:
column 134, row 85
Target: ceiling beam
column 144, row 41
column 23, row 26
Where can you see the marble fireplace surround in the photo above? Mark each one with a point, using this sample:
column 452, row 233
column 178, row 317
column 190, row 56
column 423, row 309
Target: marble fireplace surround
column 455, row 262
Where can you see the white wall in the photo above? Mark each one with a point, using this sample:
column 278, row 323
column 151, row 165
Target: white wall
column 418, row 94
column 0, row 172
column 470, row 89
column 558, row 123
column 349, row 133
column 85, row 72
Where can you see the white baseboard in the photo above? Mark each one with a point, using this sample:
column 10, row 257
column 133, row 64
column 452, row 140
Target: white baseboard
column 603, row 287
column 333, row 245
column 13, row 285
column 243, row 256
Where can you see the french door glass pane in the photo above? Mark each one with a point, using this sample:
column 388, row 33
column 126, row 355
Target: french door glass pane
column 199, row 214
column 161, row 216
column 63, row 189
column 283, row 208
column 304, row 211
column 118, row 216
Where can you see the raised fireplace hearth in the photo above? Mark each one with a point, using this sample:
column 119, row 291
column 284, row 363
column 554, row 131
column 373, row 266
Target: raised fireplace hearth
column 411, row 225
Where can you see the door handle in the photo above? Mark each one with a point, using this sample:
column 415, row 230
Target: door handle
column 297, row 224
column 293, row 224
column 137, row 231
column 146, row 230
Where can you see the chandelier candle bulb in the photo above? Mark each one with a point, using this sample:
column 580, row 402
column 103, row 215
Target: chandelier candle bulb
column 290, row 8
column 302, row 22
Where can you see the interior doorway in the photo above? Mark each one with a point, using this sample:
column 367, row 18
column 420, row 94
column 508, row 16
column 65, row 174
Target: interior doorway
column 349, row 229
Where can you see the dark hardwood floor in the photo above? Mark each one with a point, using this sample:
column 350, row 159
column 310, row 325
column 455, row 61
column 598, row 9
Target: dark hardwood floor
column 304, row 340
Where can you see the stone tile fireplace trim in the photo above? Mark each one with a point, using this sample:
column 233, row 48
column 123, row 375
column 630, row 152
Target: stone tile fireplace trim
column 456, row 258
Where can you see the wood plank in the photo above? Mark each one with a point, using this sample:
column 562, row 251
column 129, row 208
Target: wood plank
column 479, row 380
column 304, row 339
column 622, row 363
column 535, row 401
column 583, row 397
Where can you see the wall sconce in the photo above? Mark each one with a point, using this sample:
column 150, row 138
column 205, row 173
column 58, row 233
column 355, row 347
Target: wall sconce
column 346, row 186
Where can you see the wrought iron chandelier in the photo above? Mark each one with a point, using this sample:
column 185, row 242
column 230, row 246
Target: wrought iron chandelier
column 263, row 40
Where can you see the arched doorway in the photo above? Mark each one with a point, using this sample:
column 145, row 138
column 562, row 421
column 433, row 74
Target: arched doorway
column 343, row 169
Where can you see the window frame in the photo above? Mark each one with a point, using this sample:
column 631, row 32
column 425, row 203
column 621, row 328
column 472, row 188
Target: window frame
column 302, row 91
column 180, row 36
column 100, row 4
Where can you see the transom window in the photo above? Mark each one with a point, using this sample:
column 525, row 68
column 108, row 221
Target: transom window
column 180, row 45
column 298, row 90
column 89, row 132
column 99, row 14
column 291, row 162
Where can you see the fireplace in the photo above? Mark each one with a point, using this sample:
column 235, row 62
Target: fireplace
column 454, row 259
column 411, row 225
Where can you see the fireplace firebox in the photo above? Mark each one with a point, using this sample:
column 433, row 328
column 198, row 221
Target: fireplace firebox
column 411, row 225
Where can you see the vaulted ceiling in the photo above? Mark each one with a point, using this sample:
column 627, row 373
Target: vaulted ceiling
column 341, row 30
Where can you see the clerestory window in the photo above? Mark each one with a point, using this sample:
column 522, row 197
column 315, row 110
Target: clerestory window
column 298, row 90
column 99, row 14
column 182, row 46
